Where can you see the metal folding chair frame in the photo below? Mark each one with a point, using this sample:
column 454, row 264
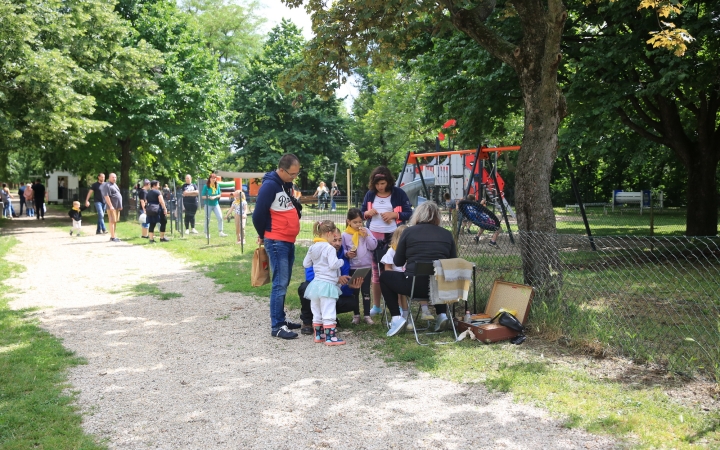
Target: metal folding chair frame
column 426, row 269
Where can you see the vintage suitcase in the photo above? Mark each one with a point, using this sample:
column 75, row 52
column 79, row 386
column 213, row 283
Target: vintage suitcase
column 511, row 297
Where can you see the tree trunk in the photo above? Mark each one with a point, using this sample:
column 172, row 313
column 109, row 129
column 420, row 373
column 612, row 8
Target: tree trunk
column 125, row 164
column 702, row 204
column 535, row 61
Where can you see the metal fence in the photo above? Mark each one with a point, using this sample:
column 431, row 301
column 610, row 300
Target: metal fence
column 655, row 299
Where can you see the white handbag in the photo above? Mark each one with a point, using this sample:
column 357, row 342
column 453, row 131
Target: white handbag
column 142, row 218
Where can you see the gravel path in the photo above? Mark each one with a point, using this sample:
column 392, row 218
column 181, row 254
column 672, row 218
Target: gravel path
column 201, row 371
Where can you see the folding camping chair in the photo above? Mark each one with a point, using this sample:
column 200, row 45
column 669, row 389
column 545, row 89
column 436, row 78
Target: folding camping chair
column 426, row 269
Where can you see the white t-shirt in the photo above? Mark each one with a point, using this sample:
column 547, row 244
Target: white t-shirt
column 388, row 259
column 377, row 224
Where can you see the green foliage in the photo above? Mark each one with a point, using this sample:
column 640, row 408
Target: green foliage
column 231, row 31
column 388, row 122
column 34, row 410
column 271, row 121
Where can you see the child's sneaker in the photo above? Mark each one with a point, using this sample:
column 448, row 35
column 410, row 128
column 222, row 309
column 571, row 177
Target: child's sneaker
column 356, row 319
column 331, row 337
column 492, row 244
column 71, row 233
column 426, row 316
column 375, row 310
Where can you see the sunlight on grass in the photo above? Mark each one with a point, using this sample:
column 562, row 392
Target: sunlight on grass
column 35, row 411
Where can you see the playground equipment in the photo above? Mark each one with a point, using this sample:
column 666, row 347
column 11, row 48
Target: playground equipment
column 462, row 172
column 642, row 198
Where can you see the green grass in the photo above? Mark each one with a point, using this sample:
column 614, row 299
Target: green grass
column 150, row 290
column 34, row 410
column 642, row 415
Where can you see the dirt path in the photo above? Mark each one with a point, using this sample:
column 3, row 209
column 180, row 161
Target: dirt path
column 201, row 371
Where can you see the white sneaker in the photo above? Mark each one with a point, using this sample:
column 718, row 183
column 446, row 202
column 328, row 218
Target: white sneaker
column 426, row 316
column 221, row 234
column 396, row 324
column 441, row 322
column 194, row 231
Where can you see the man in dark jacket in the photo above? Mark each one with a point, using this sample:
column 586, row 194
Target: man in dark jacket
column 21, row 195
column 277, row 222
column 39, row 192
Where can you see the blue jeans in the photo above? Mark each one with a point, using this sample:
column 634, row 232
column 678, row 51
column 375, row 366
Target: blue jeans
column 7, row 210
column 282, row 256
column 100, row 208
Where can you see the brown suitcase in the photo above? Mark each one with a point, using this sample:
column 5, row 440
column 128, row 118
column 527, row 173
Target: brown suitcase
column 510, row 296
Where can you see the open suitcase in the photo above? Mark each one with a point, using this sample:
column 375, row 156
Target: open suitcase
column 511, row 297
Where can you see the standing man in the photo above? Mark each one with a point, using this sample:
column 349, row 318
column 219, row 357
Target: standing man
column 113, row 199
column 95, row 190
column 277, row 221
column 39, row 195
column 142, row 201
column 21, row 195
column 191, row 196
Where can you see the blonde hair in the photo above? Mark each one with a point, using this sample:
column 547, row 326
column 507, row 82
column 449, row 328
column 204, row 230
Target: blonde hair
column 396, row 236
column 323, row 227
column 76, row 204
column 426, row 212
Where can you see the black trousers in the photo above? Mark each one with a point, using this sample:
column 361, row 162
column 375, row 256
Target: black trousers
column 365, row 291
column 393, row 284
column 344, row 304
column 189, row 218
column 163, row 224
column 22, row 203
column 39, row 212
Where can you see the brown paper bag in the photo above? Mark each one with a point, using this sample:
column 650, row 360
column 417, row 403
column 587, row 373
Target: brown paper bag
column 260, row 274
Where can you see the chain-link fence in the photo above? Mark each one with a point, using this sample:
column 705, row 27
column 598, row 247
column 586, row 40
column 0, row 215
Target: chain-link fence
column 655, row 299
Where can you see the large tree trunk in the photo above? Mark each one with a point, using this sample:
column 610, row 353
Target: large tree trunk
column 702, row 205
column 125, row 164
column 535, row 61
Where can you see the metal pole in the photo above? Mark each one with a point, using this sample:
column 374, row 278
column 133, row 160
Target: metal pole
column 332, row 186
column 500, row 200
column 402, row 173
column 579, row 200
column 422, row 180
column 472, row 172
column 349, row 184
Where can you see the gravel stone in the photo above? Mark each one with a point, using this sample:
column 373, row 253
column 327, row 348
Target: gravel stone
column 201, row 371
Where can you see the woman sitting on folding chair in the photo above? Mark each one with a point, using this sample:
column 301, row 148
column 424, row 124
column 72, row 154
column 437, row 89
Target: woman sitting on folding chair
column 423, row 240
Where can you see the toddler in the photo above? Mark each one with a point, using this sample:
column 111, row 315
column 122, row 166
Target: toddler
column 359, row 243
column 239, row 208
column 76, row 215
column 323, row 291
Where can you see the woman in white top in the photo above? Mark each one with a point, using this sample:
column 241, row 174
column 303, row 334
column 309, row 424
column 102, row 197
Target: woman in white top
column 385, row 206
column 321, row 193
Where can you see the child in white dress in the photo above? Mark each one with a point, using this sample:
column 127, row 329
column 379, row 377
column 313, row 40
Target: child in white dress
column 324, row 290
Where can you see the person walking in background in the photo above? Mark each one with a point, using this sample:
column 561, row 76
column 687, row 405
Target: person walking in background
column 277, row 221
column 113, row 199
column 21, row 197
column 142, row 203
column 75, row 214
column 156, row 211
column 239, row 209
column 29, row 202
column 39, row 196
column 7, row 206
column 334, row 192
column 321, row 193
column 211, row 194
column 95, row 190
column 190, row 197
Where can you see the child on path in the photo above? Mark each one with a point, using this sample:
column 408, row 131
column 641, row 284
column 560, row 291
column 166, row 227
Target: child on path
column 359, row 244
column 76, row 215
column 390, row 265
column 239, row 208
column 323, row 291
column 7, row 202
